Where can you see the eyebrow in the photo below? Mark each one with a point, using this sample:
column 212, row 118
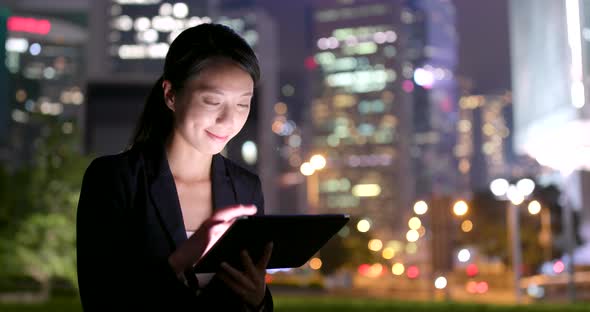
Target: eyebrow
column 218, row 91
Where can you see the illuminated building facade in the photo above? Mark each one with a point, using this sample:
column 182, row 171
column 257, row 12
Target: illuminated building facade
column 4, row 109
column 44, row 59
column 429, row 81
column 483, row 146
column 384, row 107
column 358, row 113
column 130, row 42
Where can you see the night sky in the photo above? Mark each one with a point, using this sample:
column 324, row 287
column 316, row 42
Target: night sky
column 484, row 44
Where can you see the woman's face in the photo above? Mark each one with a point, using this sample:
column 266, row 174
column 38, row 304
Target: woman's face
column 213, row 107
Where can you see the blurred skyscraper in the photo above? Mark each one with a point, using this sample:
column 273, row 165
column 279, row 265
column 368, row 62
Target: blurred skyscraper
column 483, row 140
column 43, row 85
column 384, row 107
column 4, row 109
column 358, row 114
column 429, row 76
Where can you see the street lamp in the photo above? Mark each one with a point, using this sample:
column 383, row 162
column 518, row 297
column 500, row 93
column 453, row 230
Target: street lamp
column 316, row 162
column 545, row 237
column 515, row 194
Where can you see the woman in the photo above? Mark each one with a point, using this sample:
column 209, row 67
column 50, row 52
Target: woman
column 145, row 216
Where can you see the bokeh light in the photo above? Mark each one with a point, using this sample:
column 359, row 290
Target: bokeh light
column 466, row 226
column 306, row 169
column 440, row 282
column 460, row 208
column 398, row 269
column 375, row 244
column 414, row 223
column 388, row 253
column 420, row 207
column 413, row 272
column 363, row 226
column 534, row 207
column 412, row 235
column 315, row 263
column 472, row 270
column 318, row 162
column 464, row 255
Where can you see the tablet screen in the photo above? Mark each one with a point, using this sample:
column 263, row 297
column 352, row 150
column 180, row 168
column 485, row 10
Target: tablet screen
column 296, row 238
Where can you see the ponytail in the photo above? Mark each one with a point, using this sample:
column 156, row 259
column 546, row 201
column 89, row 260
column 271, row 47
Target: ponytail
column 156, row 121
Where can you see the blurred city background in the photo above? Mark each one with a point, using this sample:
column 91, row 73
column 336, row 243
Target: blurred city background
column 455, row 133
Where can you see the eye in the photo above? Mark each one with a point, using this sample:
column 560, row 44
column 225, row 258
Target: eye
column 211, row 102
column 244, row 105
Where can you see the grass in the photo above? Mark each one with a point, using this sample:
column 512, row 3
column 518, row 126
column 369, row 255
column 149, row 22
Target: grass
column 287, row 304
column 342, row 304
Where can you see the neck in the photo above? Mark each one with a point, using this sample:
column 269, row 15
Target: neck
column 187, row 163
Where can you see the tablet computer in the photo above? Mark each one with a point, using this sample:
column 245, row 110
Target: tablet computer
column 296, row 238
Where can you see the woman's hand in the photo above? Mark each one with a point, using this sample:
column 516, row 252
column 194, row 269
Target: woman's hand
column 250, row 284
column 191, row 250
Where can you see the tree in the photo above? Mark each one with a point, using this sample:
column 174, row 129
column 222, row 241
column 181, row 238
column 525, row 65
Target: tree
column 489, row 221
column 489, row 218
column 39, row 239
column 44, row 248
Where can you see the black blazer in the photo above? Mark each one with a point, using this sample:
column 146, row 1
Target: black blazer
column 129, row 221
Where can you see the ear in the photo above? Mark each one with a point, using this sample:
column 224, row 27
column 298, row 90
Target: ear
column 169, row 96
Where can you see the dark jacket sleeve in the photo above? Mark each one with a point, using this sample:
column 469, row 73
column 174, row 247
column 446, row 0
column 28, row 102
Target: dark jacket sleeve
column 100, row 248
column 259, row 202
column 111, row 273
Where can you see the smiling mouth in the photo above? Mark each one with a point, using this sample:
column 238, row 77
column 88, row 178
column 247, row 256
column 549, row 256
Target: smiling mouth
column 217, row 137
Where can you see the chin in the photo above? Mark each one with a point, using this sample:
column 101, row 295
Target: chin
column 214, row 151
column 211, row 149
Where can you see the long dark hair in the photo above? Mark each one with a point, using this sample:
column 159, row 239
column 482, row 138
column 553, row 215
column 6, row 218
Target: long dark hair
column 189, row 54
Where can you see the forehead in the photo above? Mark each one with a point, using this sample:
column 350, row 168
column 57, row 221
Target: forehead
column 222, row 77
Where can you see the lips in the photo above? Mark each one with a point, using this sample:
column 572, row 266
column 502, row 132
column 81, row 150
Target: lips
column 217, row 137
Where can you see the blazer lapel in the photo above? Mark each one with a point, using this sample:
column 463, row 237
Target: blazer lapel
column 222, row 189
column 164, row 195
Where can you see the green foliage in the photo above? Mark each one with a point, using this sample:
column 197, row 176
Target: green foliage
column 56, row 176
column 45, row 247
column 490, row 221
column 38, row 207
column 15, row 203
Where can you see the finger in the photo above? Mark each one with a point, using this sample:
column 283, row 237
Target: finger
column 202, row 231
column 250, row 268
column 238, row 276
column 218, row 230
column 233, row 212
column 215, row 234
column 263, row 262
column 232, row 284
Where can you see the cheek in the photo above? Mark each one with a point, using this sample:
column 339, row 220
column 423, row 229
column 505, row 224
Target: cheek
column 242, row 118
column 195, row 117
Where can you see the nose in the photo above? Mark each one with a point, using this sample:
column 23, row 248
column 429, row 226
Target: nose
column 226, row 116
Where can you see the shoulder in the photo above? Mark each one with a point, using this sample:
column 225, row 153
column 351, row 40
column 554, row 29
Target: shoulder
column 113, row 166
